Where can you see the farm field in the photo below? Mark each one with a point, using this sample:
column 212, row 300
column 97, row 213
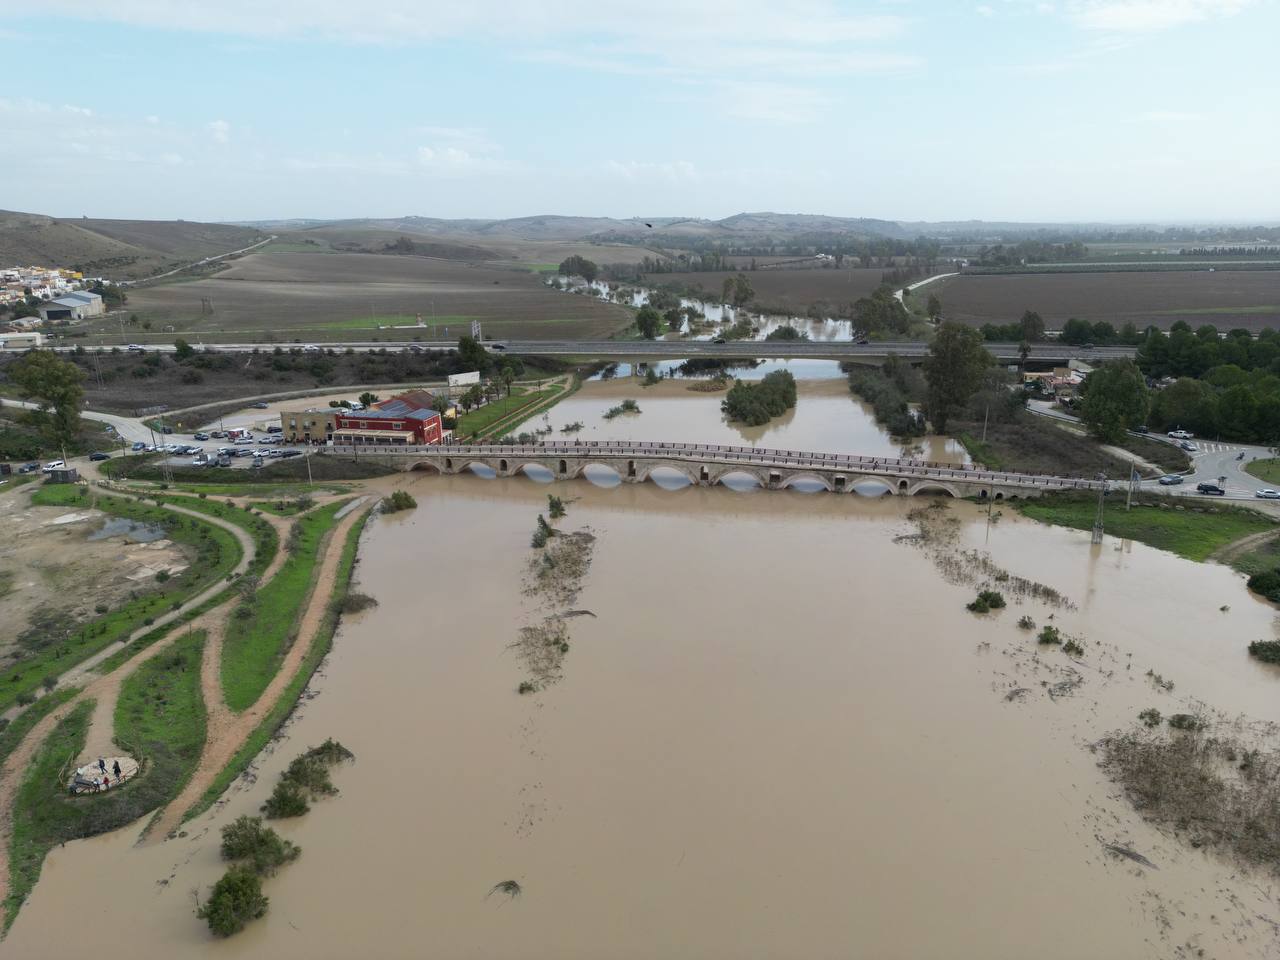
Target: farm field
column 789, row 291
column 1226, row 299
column 338, row 296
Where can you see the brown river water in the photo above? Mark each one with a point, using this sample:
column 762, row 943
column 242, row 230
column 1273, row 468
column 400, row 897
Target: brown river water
column 781, row 735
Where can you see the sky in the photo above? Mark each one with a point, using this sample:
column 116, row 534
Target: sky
column 1069, row 110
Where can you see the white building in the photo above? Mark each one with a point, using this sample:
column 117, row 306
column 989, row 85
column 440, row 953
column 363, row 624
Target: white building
column 73, row 306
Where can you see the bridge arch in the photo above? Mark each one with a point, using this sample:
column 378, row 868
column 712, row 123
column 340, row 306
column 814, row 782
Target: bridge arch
column 936, row 486
column 427, row 466
column 826, row 483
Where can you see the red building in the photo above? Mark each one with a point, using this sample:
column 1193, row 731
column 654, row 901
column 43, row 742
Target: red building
column 406, row 419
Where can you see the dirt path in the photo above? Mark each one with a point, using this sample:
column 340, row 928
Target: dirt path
column 105, row 690
column 1229, row 552
column 227, row 731
column 83, row 670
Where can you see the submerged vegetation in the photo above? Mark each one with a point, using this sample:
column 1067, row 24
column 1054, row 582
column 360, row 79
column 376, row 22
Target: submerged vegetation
column 306, row 779
column 398, row 500
column 890, row 390
column 987, row 600
column 757, row 403
column 626, row 406
column 236, row 899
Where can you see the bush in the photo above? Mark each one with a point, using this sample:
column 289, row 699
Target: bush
column 1073, row 649
column 399, row 500
column 247, row 838
column 555, row 507
column 49, row 682
column 987, row 600
column 26, row 698
column 1267, row 584
column 1049, row 634
column 236, row 899
column 286, row 800
column 1185, row 721
column 162, row 576
column 1268, row 651
column 355, row 602
column 526, row 687
column 1150, row 717
column 626, row 406
column 1026, row 623
column 758, row 403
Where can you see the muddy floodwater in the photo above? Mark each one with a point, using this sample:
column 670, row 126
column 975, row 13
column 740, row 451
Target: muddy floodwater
column 779, row 735
column 825, row 419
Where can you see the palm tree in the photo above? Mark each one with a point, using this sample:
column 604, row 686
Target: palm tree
column 1024, row 351
column 508, row 376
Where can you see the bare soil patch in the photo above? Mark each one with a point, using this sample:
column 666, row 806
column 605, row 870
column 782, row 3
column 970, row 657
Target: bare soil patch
column 331, row 295
column 1226, row 299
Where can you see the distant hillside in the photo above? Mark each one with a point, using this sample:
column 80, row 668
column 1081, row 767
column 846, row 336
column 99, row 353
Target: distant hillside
column 124, row 249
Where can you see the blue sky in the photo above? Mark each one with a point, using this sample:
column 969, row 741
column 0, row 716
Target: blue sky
column 1110, row 110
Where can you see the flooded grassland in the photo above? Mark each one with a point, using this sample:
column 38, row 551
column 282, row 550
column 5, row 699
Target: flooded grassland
column 777, row 732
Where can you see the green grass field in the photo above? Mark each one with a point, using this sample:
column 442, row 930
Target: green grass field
column 159, row 720
column 1268, row 471
column 256, row 643
column 16, row 731
column 1190, row 533
column 288, row 700
column 480, row 420
column 265, row 540
column 216, row 554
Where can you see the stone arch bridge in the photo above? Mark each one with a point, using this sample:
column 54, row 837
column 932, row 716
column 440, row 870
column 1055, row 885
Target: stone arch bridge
column 706, row 464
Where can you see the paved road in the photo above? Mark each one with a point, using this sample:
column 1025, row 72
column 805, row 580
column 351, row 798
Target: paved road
column 197, row 263
column 1212, row 460
column 680, row 349
column 912, row 287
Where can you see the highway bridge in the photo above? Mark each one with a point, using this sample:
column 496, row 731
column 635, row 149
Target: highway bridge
column 1041, row 353
column 706, row 464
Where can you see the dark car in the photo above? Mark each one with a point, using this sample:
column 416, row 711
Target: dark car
column 261, row 405
column 290, row 453
column 1169, row 479
column 99, row 456
column 166, row 429
column 498, row 346
column 275, row 428
column 415, row 348
column 216, row 434
column 1142, row 428
column 863, row 341
column 1211, row 489
column 200, row 436
column 139, row 445
column 718, row 340
column 29, row 468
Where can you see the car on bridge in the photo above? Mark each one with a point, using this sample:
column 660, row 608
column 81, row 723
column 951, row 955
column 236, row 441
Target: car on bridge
column 1169, row 479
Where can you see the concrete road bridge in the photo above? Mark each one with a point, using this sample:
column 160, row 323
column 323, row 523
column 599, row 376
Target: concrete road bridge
column 706, row 464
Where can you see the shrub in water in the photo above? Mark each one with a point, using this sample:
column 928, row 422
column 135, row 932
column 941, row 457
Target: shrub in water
column 247, row 838
column 1185, row 721
column 1268, row 651
column 1150, row 717
column 399, row 500
column 987, row 600
column 236, row 899
column 287, row 800
column 1073, row 649
column 1026, row 623
column 355, row 602
column 1049, row 634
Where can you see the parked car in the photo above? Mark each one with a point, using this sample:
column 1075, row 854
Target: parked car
column 290, row 453
column 257, row 462
column 1169, row 479
column 275, row 428
column 139, row 445
column 200, row 436
column 166, row 429
column 718, row 340
column 223, row 460
column 241, row 441
column 52, row 465
column 1211, row 489
column 262, row 405
column 1188, row 446
column 99, row 455
column 311, row 348
column 29, row 468
column 1180, row 434
column 1268, row 494
column 1142, row 428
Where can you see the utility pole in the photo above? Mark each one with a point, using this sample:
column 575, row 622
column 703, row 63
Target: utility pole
column 986, row 413
column 1097, row 520
column 1133, row 487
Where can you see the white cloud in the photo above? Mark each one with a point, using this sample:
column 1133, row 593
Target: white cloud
column 1137, row 16
column 984, row 11
column 672, row 171
column 153, row 119
column 220, row 130
column 771, row 102
column 81, row 111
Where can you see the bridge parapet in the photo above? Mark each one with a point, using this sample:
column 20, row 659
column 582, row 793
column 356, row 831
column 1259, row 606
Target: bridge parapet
column 706, row 463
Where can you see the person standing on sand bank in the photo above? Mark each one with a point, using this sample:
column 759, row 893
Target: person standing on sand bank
column 115, row 768
column 102, row 766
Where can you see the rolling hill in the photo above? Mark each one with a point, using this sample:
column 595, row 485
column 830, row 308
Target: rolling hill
column 127, row 249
